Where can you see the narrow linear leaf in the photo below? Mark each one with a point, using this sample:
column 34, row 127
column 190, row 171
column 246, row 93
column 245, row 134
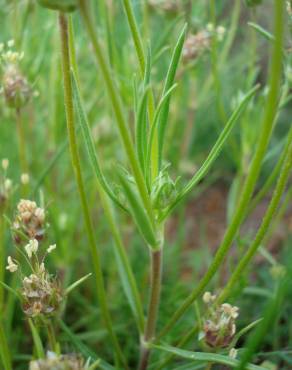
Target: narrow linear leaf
column 135, row 94
column 262, row 31
column 61, row 150
column 138, row 211
column 89, row 142
column 141, row 130
column 215, row 151
column 76, row 284
column 37, row 340
column 271, row 312
column 205, row 357
column 147, row 74
column 155, row 124
column 11, row 290
column 168, row 83
column 244, row 331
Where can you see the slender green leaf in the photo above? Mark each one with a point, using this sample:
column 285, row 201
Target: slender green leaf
column 76, row 284
column 262, row 31
column 89, row 141
column 205, row 357
column 147, row 74
column 138, row 210
column 218, row 146
column 154, row 126
column 168, row 83
column 11, row 290
column 37, row 340
column 141, row 130
column 61, row 150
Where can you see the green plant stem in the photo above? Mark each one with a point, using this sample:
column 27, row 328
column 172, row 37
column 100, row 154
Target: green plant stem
column 38, row 346
column 80, row 184
column 271, row 178
column 264, row 228
column 52, row 337
column 4, row 349
column 135, row 34
column 250, row 182
column 155, row 288
column 117, row 107
column 126, row 273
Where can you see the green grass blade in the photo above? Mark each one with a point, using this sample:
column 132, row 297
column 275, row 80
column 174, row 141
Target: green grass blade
column 262, row 31
column 37, row 340
column 141, row 130
column 215, row 151
column 76, row 284
column 272, row 310
column 89, row 142
column 61, row 150
column 205, row 357
column 4, row 349
column 168, row 83
column 147, row 74
column 154, row 126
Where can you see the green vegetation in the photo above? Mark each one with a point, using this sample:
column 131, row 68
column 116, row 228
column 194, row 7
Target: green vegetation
column 145, row 184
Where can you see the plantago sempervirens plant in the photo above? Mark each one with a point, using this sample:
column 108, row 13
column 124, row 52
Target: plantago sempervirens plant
column 149, row 192
column 41, row 294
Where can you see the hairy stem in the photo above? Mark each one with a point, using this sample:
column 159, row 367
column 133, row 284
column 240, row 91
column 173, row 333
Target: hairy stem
column 149, row 334
column 68, row 95
column 248, row 188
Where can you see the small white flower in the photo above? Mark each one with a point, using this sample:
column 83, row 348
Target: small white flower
column 233, row 353
column 208, row 297
column 42, row 267
column 24, row 178
column 12, row 267
column 32, row 247
column 5, row 164
column 51, row 248
column 40, row 214
column 10, row 43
